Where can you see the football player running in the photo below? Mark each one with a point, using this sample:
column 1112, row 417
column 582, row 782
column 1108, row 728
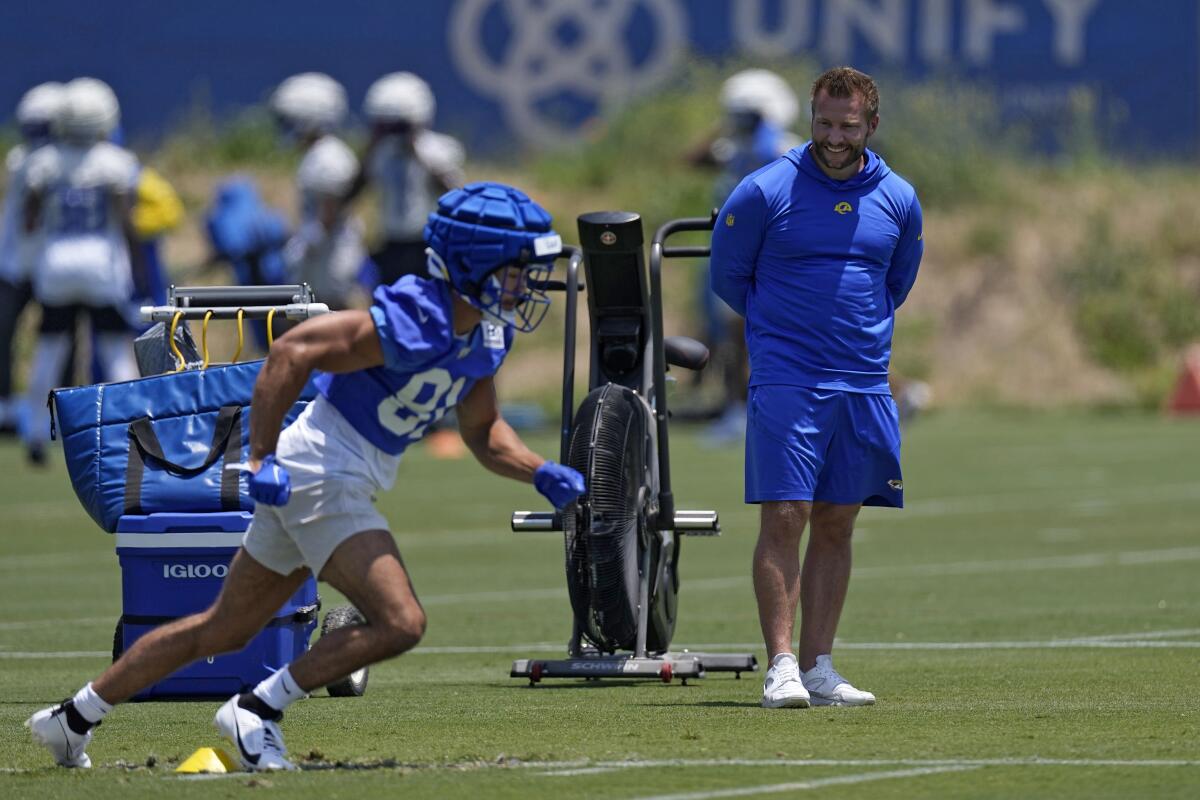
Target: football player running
column 383, row 374
column 410, row 164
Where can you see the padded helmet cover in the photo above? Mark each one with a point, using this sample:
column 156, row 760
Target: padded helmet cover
column 484, row 226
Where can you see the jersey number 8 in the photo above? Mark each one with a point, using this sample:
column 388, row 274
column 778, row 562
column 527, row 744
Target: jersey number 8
column 423, row 400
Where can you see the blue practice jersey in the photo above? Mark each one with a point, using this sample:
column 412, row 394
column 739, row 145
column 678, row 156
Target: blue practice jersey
column 427, row 369
column 818, row 267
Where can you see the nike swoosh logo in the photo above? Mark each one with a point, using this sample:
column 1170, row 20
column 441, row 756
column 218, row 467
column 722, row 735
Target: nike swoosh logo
column 423, row 316
column 237, row 731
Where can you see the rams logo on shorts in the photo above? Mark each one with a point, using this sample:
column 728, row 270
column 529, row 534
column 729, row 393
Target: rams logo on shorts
column 843, row 208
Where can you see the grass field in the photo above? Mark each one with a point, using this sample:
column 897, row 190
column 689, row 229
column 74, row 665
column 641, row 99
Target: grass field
column 1030, row 625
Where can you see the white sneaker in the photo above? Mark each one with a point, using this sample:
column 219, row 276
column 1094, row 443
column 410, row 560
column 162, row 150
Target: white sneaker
column 259, row 742
column 782, row 687
column 50, row 729
column 828, row 688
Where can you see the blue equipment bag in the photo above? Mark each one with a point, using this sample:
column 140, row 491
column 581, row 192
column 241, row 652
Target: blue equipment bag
column 161, row 444
column 173, row 565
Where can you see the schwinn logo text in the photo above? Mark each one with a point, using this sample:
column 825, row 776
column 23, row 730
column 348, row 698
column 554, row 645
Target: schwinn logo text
column 194, row 571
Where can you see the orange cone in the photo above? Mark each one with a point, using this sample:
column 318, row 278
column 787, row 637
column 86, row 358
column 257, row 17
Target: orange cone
column 1185, row 399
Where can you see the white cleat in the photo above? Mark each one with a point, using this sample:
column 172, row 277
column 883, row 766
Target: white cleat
column 258, row 741
column 828, row 688
column 50, row 729
column 782, row 688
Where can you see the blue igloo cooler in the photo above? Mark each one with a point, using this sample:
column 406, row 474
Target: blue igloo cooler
column 172, row 565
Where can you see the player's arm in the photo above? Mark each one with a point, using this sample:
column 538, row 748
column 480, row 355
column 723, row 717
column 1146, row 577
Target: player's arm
column 343, row 342
column 737, row 238
column 492, row 440
column 902, row 272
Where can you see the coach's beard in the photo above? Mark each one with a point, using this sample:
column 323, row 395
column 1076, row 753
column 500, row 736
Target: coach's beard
column 836, row 160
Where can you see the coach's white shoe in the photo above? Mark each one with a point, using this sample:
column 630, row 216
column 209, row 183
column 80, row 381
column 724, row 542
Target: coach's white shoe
column 50, row 729
column 259, row 742
column 782, row 688
column 827, row 688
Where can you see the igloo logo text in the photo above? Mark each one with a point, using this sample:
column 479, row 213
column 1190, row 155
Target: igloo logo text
column 195, row 571
column 553, row 63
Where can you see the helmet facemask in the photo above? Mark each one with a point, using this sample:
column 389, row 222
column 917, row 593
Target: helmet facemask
column 511, row 294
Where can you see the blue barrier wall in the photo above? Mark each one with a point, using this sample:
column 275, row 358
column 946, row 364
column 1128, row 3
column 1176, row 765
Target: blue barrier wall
column 530, row 71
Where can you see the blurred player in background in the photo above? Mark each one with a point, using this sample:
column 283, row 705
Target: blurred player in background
column 79, row 192
column 327, row 250
column 427, row 344
column 759, row 108
column 817, row 250
column 410, row 166
column 37, row 114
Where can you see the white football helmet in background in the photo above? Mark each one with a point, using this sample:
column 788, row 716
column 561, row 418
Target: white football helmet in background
column 40, row 107
column 400, row 97
column 90, row 111
column 761, row 92
column 311, row 103
column 328, row 168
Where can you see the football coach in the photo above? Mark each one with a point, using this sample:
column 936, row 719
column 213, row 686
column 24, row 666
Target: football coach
column 817, row 250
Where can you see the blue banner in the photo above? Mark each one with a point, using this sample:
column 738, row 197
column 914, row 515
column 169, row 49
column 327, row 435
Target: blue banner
column 532, row 71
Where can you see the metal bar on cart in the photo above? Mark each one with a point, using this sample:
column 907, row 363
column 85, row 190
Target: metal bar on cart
column 291, row 311
column 240, row 295
column 294, row 301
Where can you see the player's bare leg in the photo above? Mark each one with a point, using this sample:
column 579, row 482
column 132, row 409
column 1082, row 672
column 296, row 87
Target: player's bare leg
column 249, row 598
column 824, row 579
column 777, row 570
column 777, row 588
column 367, row 569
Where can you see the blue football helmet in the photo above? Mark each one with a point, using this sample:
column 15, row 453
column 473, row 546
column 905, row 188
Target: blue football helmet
column 496, row 248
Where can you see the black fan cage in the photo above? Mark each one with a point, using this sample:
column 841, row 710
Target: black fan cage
column 608, row 446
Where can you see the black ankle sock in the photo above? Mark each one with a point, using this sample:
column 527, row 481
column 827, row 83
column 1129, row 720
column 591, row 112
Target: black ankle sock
column 252, row 702
column 75, row 720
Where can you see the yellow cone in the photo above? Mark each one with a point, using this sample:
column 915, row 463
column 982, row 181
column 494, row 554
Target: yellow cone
column 208, row 759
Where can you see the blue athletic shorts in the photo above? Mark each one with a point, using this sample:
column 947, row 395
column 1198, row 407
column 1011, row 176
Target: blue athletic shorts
column 824, row 445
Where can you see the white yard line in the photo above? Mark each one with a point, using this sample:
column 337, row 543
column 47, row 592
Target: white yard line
column 585, row 768
column 800, row 786
column 1076, row 561
column 1079, row 498
column 1139, row 635
column 1084, row 643
column 1048, row 644
column 559, row 648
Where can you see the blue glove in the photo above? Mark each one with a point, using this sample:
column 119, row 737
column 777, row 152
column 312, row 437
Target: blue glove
column 557, row 483
column 271, row 485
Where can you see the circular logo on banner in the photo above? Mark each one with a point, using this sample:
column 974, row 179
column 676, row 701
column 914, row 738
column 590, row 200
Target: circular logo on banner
column 553, row 65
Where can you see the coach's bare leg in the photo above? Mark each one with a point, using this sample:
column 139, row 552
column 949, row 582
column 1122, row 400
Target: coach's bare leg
column 824, row 578
column 368, row 570
column 777, row 570
column 249, row 598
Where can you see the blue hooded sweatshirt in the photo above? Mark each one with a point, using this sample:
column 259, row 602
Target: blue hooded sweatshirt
column 818, row 267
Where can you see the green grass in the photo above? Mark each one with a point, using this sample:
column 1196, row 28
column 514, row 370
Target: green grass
column 1020, row 529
